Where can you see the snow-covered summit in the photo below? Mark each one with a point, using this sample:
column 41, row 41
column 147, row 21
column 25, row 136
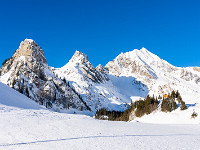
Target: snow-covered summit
column 79, row 57
column 80, row 65
column 140, row 61
column 160, row 76
column 143, row 52
column 29, row 48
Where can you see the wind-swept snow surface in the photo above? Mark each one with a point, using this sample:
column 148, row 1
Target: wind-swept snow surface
column 41, row 129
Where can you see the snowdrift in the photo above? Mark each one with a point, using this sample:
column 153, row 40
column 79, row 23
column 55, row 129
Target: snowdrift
column 10, row 97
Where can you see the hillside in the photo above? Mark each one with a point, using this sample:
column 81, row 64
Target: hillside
column 10, row 97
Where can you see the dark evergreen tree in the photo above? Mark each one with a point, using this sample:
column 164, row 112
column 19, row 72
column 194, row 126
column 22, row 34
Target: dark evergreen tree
column 140, row 108
column 183, row 106
column 159, row 97
column 147, row 104
column 174, row 105
column 194, row 115
column 166, row 106
column 173, row 94
column 177, row 94
column 64, row 80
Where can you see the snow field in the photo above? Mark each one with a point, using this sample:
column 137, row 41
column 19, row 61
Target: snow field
column 42, row 129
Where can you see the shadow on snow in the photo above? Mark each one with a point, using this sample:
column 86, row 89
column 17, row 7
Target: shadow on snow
column 91, row 137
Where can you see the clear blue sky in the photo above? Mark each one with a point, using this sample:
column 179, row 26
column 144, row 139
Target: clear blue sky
column 103, row 28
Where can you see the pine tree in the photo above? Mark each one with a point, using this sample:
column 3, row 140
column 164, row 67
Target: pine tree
column 177, row 94
column 64, row 80
column 183, row 106
column 194, row 115
column 159, row 97
column 140, row 111
column 147, row 104
column 174, row 105
column 173, row 94
column 27, row 92
column 166, row 105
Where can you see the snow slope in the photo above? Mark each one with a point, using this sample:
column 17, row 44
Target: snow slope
column 26, row 129
column 175, row 117
column 10, row 97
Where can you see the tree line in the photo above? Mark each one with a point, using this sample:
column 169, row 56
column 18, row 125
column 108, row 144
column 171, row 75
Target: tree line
column 170, row 103
column 141, row 107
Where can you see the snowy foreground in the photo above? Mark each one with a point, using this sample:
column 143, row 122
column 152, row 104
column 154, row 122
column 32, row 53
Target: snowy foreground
column 41, row 129
column 26, row 125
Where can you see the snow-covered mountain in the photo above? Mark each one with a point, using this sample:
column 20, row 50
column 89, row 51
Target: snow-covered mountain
column 81, row 86
column 158, row 75
column 27, row 72
column 130, row 76
column 98, row 88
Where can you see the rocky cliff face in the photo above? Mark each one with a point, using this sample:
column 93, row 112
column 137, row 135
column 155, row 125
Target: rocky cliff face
column 28, row 48
column 27, row 72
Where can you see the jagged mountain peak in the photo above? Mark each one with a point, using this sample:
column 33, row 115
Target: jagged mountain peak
column 99, row 66
column 79, row 57
column 81, row 66
column 141, row 56
column 101, row 69
column 140, row 64
column 78, row 60
column 29, row 48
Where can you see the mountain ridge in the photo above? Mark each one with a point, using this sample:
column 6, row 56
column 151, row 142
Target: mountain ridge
column 27, row 71
column 80, row 85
